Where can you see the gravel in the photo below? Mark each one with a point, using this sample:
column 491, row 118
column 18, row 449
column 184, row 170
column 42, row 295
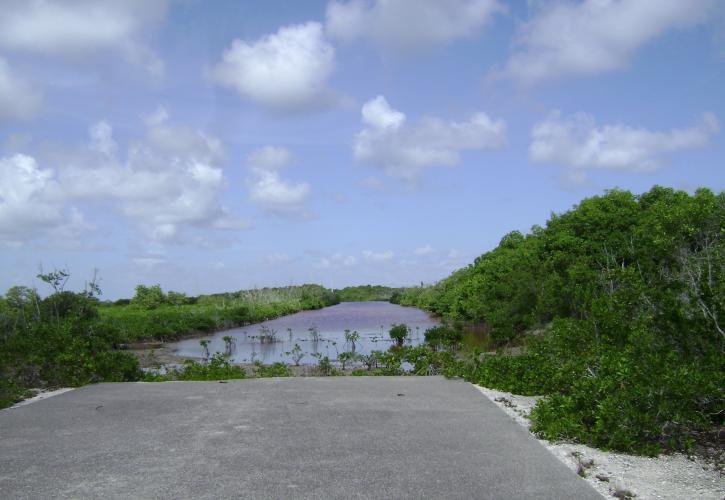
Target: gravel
column 672, row 476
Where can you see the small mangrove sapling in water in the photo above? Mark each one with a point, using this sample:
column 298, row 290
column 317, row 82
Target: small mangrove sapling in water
column 324, row 366
column 351, row 338
column 346, row 357
column 204, row 349
column 296, row 354
column 370, row 360
column 314, row 334
column 230, row 343
column 267, row 335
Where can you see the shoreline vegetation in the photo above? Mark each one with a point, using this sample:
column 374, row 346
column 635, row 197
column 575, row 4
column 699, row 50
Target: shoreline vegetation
column 613, row 312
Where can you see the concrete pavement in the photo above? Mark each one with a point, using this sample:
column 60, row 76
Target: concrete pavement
column 336, row 437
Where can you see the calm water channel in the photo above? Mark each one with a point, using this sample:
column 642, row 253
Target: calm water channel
column 321, row 331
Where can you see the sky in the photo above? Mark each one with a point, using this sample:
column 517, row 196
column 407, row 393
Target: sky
column 217, row 146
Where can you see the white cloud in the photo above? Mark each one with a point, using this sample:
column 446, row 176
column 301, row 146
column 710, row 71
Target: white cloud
column 424, row 250
column 169, row 181
column 102, row 139
column 403, row 150
column 25, row 207
column 18, row 100
column 385, row 256
column 378, row 114
column 409, row 25
column 285, row 72
column 268, row 189
column 71, row 233
column 578, row 143
column 73, row 29
column 594, row 36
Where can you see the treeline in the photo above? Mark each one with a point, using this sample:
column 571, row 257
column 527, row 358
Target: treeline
column 365, row 293
column 619, row 305
column 153, row 314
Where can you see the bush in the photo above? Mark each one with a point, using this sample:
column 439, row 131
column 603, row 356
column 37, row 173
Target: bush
column 399, row 333
column 57, row 341
column 443, row 336
column 277, row 369
column 218, row 368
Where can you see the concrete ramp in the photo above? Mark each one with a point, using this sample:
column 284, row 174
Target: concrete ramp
column 337, row 437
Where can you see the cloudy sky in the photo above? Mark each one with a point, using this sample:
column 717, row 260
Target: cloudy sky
column 213, row 146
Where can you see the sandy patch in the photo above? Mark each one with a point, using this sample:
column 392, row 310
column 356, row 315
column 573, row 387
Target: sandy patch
column 673, row 476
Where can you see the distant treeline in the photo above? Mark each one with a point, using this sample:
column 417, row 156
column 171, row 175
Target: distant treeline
column 153, row 314
column 366, row 293
column 619, row 304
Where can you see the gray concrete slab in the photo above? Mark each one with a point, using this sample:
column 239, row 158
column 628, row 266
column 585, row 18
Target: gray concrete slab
column 339, row 437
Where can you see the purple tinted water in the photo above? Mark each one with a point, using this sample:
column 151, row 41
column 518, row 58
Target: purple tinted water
column 371, row 320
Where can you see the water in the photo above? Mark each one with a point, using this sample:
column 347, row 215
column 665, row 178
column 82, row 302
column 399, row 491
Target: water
column 371, row 320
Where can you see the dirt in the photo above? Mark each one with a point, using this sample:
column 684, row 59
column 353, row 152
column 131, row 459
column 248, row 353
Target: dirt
column 154, row 354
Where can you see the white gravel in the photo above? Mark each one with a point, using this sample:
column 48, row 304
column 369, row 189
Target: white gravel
column 673, row 476
column 40, row 394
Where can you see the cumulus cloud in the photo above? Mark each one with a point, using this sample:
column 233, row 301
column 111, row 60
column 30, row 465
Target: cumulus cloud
column 285, row 72
column 269, row 190
column 578, row 143
column 25, row 206
column 168, row 181
column 404, row 150
column 409, row 25
column 594, row 36
column 71, row 30
column 18, row 99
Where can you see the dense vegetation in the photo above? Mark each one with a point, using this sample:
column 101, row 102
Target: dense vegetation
column 56, row 341
column 615, row 309
column 366, row 293
column 153, row 314
column 72, row 339
column 618, row 304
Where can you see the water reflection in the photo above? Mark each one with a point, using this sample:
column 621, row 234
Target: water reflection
column 316, row 332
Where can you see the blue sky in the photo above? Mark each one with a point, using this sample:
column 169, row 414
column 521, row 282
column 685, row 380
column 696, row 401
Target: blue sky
column 214, row 146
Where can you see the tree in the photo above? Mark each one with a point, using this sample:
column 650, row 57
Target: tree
column 149, row 297
column 176, row 298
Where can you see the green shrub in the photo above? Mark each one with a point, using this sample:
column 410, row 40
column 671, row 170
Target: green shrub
column 443, row 336
column 218, row 368
column 277, row 369
column 398, row 333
